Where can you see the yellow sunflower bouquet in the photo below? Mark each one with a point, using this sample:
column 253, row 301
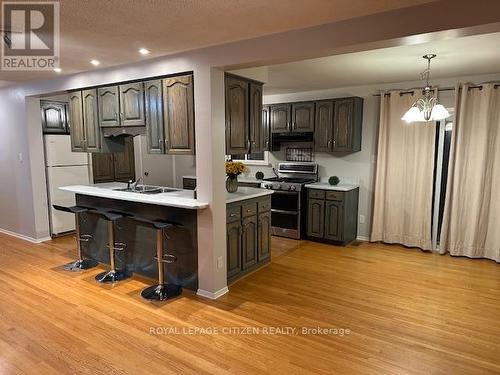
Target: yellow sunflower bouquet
column 235, row 168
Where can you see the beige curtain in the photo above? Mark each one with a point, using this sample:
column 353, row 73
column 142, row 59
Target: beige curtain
column 404, row 176
column 471, row 224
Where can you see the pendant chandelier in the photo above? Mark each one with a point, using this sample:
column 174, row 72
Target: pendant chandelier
column 426, row 109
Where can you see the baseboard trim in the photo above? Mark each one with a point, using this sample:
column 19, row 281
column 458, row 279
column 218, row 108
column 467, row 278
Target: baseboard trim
column 212, row 295
column 23, row 237
column 363, row 238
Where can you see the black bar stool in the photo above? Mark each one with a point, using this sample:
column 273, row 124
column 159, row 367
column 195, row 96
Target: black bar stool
column 161, row 291
column 80, row 264
column 113, row 275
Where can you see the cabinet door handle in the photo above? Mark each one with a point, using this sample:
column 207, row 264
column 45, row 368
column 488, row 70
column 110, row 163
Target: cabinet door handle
column 329, row 143
column 267, row 143
column 166, row 143
column 294, row 125
column 116, row 116
column 248, row 144
column 232, row 215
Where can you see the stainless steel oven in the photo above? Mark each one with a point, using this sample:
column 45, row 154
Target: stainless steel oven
column 287, row 213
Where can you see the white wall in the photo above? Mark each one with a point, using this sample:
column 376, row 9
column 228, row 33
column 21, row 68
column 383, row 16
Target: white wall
column 359, row 167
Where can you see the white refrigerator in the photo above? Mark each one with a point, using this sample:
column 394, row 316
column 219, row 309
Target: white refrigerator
column 63, row 167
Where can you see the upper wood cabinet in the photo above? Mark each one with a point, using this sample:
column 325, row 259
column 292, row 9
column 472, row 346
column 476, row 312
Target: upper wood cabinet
column 132, row 104
column 302, row 117
column 323, row 132
column 347, row 125
column 178, row 111
column 338, row 125
column 77, row 131
column 257, row 130
column 109, row 106
column 54, row 117
column 246, row 131
column 86, row 136
column 155, row 137
column 266, row 127
column 280, row 118
column 90, row 119
column 237, row 107
column 122, row 105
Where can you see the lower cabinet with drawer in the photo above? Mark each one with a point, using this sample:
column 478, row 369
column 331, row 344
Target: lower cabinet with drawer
column 332, row 215
column 248, row 235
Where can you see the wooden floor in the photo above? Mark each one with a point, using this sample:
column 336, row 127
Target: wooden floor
column 408, row 312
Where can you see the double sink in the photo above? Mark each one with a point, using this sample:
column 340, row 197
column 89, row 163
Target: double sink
column 147, row 189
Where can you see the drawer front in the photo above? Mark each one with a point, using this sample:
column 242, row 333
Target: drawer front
column 264, row 205
column 335, row 195
column 233, row 213
column 316, row 194
column 249, row 209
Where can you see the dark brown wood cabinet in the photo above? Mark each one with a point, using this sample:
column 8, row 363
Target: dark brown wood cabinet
column 178, row 112
column 323, row 132
column 246, row 131
column 280, row 117
column 234, row 250
column 264, row 236
column 155, row 137
column 132, row 104
column 117, row 166
column 92, row 132
column 109, row 106
column 302, row 117
column 249, row 241
column 315, row 218
column 237, row 107
column 257, row 130
column 332, row 215
column 248, row 236
column 121, row 105
column 347, row 123
column 338, row 125
column 77, row 132
column 266, row 127
column 54, row 117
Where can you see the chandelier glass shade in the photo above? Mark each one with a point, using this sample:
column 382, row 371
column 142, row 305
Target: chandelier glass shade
column 427, row 108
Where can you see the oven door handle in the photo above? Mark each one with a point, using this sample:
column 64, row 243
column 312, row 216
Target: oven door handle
column 286, row 212
column 285, row 192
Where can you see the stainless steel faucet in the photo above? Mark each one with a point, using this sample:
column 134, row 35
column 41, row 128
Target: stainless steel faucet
column 135, row 183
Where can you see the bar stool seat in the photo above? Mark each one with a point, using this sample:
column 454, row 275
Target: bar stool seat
column 113, row 275
column 161, row 291
column 80, row 264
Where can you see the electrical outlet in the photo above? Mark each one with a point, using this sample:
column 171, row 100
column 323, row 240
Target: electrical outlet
column 219, row 262
column 361, row 219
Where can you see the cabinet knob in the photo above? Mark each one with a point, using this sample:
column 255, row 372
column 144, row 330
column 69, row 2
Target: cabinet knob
column 166, row 143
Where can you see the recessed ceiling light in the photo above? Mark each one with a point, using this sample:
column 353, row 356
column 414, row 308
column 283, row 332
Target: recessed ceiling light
column 57, row 70
column 144, row 51
column 95, row 62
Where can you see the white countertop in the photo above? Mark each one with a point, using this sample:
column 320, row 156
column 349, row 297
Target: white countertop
column 327, row 186
column 246, row 193
column 180, row 198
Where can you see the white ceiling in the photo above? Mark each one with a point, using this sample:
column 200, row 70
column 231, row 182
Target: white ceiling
column 471, row 55
column 113, row 30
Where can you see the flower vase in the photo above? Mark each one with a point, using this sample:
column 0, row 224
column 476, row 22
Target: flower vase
column 232, row 184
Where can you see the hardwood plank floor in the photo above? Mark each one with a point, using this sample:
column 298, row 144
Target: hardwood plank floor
column 408, row 312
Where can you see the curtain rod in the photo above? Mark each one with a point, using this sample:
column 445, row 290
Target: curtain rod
column 441, row 89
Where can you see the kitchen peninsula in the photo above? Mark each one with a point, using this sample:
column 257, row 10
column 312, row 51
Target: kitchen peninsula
column 248, row 233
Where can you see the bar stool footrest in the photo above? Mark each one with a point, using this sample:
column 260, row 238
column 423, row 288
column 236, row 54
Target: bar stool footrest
column 112, row 276
column 161, row 292
column 80, row 265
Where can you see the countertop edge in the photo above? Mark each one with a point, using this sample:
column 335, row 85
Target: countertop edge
column 104, row 194
column 326, row 186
